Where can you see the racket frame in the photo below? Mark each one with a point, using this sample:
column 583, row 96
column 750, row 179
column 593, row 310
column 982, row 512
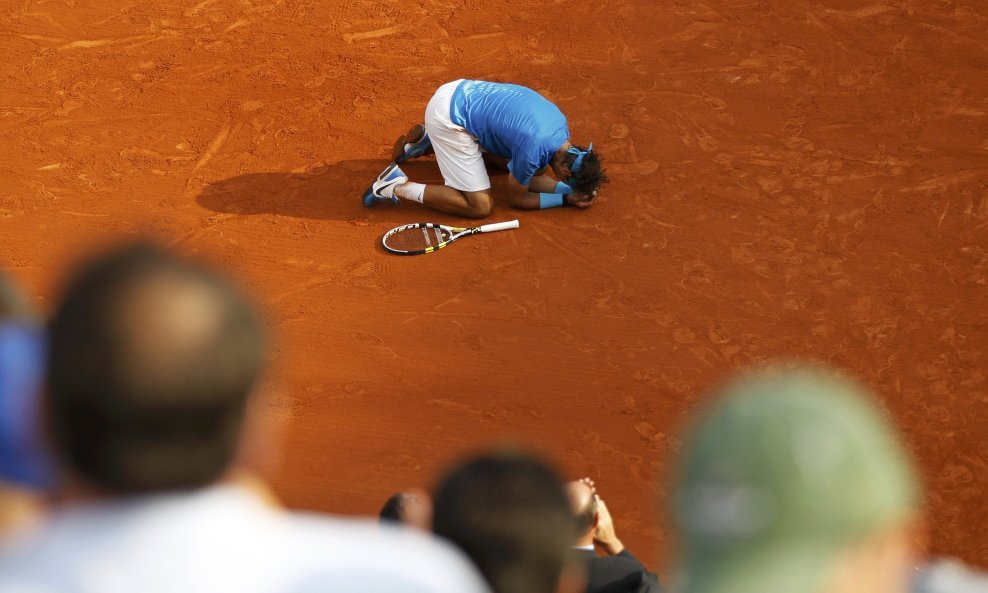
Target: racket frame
column 455, row 233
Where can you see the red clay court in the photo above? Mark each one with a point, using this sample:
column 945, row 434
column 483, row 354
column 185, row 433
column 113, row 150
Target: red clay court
column 790, row 178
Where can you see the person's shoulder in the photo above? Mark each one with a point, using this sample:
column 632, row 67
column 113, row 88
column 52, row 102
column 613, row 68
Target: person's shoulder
column 407, row 558
column 616, row 560
column 356, row 534
column 625, row 559
column 614, row 568
column 26, row 564
column 259, row 548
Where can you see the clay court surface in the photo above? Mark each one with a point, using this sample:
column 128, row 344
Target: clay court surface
column 799, row 178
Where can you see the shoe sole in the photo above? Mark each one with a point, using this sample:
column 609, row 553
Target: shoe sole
column 414, row 134
column 369, row 198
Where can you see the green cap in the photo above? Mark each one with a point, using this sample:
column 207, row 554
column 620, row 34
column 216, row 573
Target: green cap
column 788, row 468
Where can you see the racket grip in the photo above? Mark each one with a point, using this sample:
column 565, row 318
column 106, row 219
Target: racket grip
column 499, row 226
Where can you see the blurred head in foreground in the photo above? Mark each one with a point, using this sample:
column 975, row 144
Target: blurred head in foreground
column 795, row 482
column 510, row 514
column 412, row 508
column 152, row 359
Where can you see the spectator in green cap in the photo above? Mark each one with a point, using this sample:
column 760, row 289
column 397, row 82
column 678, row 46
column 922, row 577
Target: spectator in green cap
column 794, row 482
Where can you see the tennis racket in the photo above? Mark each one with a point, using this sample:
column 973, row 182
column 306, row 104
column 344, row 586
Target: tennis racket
column 426, row 237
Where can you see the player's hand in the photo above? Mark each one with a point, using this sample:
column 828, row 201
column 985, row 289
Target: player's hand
column 604, row 535
column 580, row 200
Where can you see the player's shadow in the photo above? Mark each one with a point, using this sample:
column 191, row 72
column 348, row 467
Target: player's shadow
column 322, row 191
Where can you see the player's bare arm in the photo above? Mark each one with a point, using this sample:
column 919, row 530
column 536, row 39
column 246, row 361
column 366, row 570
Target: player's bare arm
column 532, row 197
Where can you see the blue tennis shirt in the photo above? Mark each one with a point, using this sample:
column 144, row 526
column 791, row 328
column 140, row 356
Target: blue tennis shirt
column 510, row 121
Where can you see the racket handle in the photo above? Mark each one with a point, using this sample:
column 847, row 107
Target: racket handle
column 498, row 226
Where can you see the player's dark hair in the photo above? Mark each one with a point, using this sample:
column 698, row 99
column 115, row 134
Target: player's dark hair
column 591, row 176
column 151, row 362
column 509, row 513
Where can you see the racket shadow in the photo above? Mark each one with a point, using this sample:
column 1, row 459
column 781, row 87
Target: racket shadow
column 322, row 191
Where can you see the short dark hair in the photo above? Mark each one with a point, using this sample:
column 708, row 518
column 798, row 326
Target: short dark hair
column 391, row 511
column 509, row 513
column 591, row 176
column 151, row 362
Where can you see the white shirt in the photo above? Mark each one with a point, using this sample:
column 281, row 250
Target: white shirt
column 224, row 540
column 948, row 575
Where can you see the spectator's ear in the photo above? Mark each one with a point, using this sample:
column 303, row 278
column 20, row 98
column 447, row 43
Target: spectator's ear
column 596, row 521
column 259, row 449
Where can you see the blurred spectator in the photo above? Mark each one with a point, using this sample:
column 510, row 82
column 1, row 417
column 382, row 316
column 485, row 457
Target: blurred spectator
column 25, row 467
column 412, row 508
column 617, row 572
column 509, row 513
column 794, row 481
column 151, row 363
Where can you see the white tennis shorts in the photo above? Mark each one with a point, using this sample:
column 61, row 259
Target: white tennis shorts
column 457, row 152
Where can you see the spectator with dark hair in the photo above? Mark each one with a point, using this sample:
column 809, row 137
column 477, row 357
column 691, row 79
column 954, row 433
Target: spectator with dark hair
column 509, row 513
column 412, row 508
column 25, row 467
column 795, row 482
column 617, row 572
column 391, row 511
column 152, row 362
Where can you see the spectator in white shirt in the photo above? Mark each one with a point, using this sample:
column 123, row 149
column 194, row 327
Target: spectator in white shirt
column 152, row 360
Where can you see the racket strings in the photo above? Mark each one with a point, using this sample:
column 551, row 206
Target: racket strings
column 417, row 238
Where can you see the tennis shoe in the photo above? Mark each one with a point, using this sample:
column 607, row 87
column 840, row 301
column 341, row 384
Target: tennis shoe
column 412, row 145
column 383, row 188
